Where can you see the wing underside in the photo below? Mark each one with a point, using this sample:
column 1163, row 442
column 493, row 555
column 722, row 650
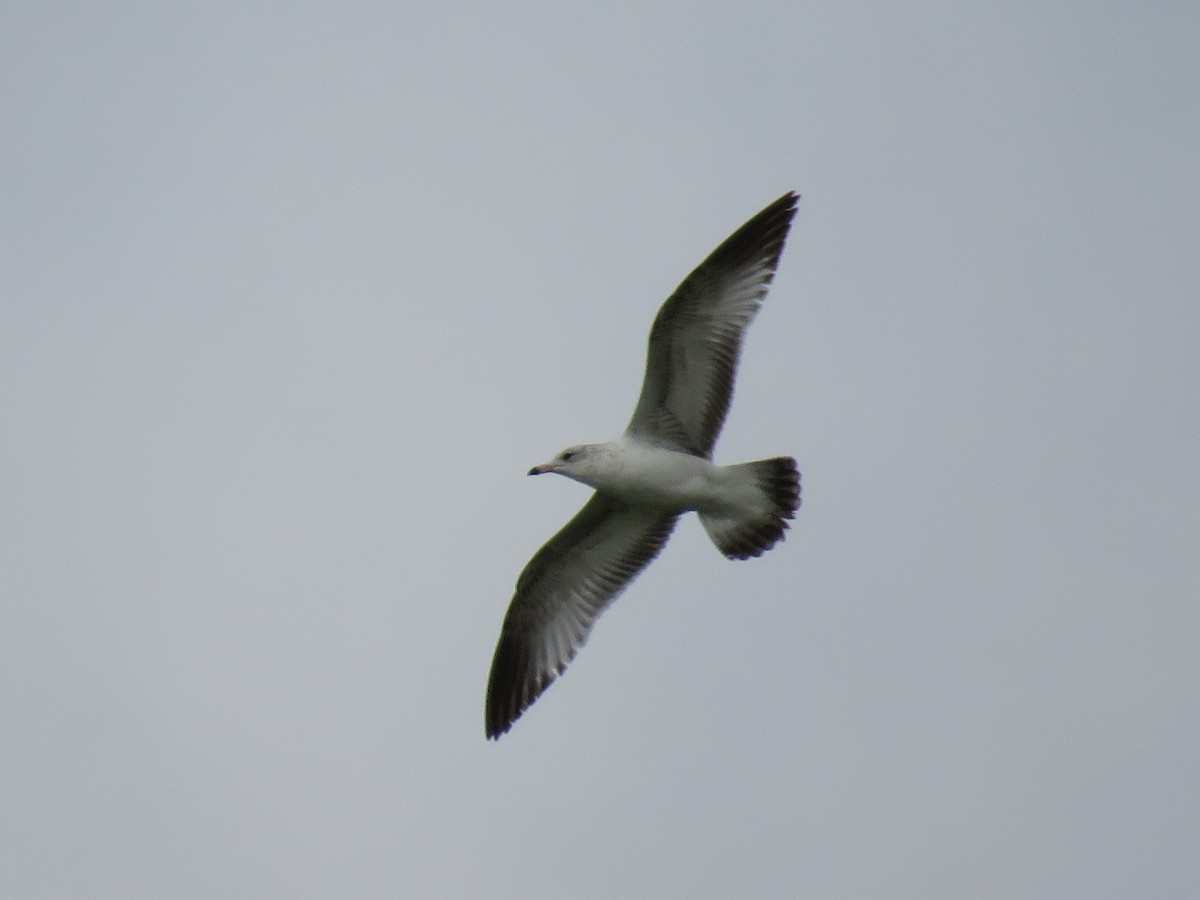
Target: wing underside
column 559, row 596
column 696, row 339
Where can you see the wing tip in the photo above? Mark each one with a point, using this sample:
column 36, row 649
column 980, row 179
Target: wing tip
column 513, row 686
column 761, row 238
column 779, row 215
column 790, row 200
column 784, row 208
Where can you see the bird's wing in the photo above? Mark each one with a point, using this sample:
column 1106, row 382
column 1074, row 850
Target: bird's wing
column 697, row 335
column 559, row 596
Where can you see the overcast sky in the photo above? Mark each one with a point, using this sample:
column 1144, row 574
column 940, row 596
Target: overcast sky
column 293, row 295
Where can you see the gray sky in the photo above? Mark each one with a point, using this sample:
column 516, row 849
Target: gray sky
column 292, row 297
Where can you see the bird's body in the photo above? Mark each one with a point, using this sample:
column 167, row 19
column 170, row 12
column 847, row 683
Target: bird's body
column 642, row 474
column 669, row 481
column 660, row 468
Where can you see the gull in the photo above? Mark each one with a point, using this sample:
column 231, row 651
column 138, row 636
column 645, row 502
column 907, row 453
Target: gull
column 660, row 468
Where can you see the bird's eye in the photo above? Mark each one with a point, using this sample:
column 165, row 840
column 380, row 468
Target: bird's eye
column 568, row 455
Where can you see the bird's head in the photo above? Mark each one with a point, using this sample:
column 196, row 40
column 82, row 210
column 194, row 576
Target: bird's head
column 574, row 462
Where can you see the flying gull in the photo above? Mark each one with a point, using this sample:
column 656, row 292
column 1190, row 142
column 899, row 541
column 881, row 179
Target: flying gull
column 660, row 468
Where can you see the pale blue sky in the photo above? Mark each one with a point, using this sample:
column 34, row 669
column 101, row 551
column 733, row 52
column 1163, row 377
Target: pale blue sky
column 293, row 295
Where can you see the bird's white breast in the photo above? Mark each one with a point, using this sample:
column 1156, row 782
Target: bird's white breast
column 643, row 475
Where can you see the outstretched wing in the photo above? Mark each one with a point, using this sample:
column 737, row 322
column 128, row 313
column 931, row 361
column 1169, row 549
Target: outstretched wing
column 559, row 596
column 697, row 336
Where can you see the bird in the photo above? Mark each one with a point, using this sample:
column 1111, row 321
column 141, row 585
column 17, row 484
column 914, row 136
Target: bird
column 660, row 468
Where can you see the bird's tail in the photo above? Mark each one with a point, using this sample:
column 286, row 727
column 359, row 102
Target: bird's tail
column 771, row 492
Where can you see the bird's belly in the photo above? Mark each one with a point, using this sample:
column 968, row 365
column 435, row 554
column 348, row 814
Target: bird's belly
column 662, row 479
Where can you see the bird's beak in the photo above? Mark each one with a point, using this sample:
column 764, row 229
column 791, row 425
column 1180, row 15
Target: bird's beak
column 540, row 470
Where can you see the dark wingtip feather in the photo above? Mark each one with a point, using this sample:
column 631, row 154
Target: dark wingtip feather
column 510, row 690
column 766, row 231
